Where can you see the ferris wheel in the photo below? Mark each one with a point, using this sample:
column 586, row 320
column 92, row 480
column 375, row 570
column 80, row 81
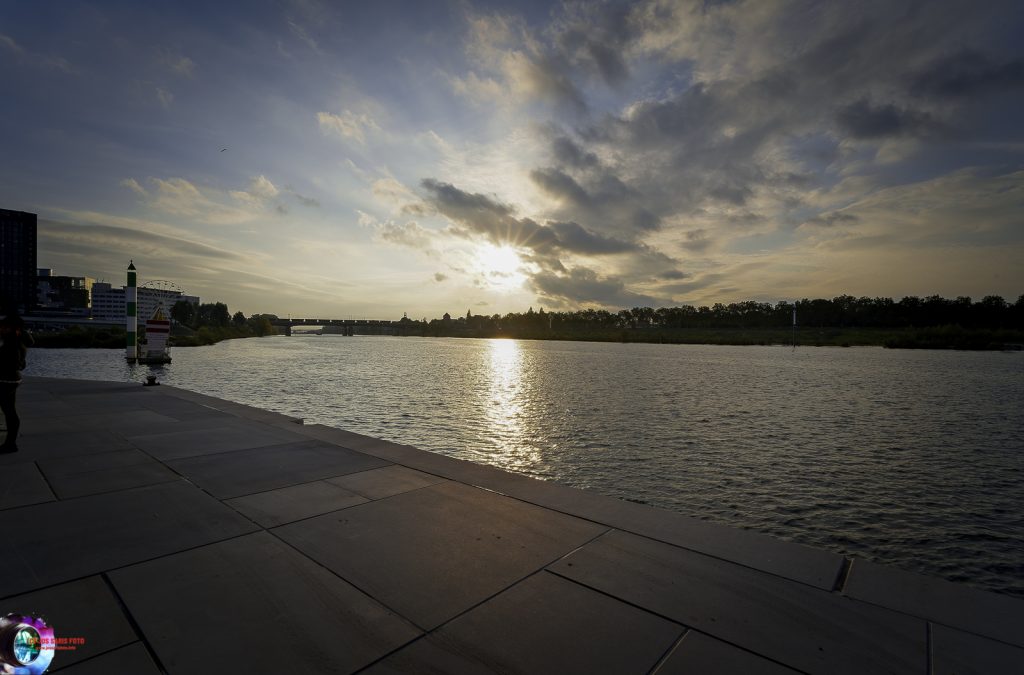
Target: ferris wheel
column 162, row 285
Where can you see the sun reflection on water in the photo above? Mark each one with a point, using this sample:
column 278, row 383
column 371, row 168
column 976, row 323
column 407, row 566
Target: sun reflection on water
column 505, row 408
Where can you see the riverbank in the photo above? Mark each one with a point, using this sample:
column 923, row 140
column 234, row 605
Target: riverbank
column 147, row 502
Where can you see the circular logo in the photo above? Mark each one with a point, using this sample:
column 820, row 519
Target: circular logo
column 26, row 644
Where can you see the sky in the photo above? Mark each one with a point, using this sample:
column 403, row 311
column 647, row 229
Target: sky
column 369, row 159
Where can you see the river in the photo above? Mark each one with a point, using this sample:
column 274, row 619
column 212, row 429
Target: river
column 910, row 458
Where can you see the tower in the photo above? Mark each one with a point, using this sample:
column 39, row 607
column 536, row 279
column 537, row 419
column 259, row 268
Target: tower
column 131, row 318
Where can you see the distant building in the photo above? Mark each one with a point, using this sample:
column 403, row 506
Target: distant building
column 108, row 303
column 57, row 293
column 17, row 259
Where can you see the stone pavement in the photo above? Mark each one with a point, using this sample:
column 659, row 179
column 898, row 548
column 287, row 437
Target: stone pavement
column 180, row 533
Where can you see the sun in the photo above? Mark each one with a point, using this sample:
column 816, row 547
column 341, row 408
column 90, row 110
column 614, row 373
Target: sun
column 501, row 266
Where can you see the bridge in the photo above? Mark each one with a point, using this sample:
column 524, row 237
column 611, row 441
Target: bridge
column 343, row 326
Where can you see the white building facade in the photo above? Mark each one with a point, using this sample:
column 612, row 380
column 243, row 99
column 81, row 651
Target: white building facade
column 108, row 303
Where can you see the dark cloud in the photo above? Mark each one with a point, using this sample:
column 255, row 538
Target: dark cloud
column 673, row 275
column 560, row 185
column 549, row 78
column 68, row 238
column 834, row 218
column 487, row 217
column 438, row 277
column 572, row 237
column 862, row 120
column 696, row 241
column 497, row 223
column 966, row 73
column 568, row 153
column 582, row 285
column 595, row 38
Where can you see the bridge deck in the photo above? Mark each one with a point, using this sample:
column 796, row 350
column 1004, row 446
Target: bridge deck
column 179, row 533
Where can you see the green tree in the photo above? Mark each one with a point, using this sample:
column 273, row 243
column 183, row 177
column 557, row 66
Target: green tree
column 184, row 312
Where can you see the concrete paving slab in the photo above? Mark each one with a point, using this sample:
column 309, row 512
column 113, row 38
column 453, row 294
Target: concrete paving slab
column 211, row 440
column 64, row 444
column 99, row 403
column 790, row 560
column 806, row 628
column 544, row 624
column 255, row 605
column 134, row 659
column 232, row 407
column 955, row 652
column 286, row 505
column 386, row 481
column 246, row 472
column 435, row 552
column 807, row 565
column 178, row 408
column 42, row 410
column 104, row 472
column 125, row 423
column 700, row 654
column 23, row 484
column 59, row 541
column 85, row 609
column 997, row 616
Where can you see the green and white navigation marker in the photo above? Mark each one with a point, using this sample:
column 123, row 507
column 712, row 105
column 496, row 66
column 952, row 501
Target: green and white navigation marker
column 131, row 312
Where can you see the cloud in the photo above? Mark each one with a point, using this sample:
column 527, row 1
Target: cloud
column 410, row 234
column 303, row 36
column 965, row 73
column 31, row 58
column 165, row 97
column 180, row 197
column 134, row 186
column 438, row 277
column 863, row 120
column 260, row 191
column 498, row 224
column 89, row 238
column 582, row 285
column 391, row 192
column 347, row 124
column 833, row 218
column 516, row 68
column 8, row 43
column 180, row 65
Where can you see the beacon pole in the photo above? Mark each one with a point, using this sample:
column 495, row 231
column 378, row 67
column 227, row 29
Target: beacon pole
column 131, row 316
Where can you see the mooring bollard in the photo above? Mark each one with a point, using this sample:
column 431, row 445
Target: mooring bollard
column 150, row 381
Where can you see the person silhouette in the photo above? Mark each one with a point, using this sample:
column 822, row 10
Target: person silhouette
column 14, row 343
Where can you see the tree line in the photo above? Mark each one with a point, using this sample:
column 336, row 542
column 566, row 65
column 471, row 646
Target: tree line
column 910, row 321
column 844, row 311
column 211, row 322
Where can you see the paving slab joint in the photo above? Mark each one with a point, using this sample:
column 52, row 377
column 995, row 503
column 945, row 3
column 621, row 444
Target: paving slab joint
column 668, row 652
column 133, row 623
